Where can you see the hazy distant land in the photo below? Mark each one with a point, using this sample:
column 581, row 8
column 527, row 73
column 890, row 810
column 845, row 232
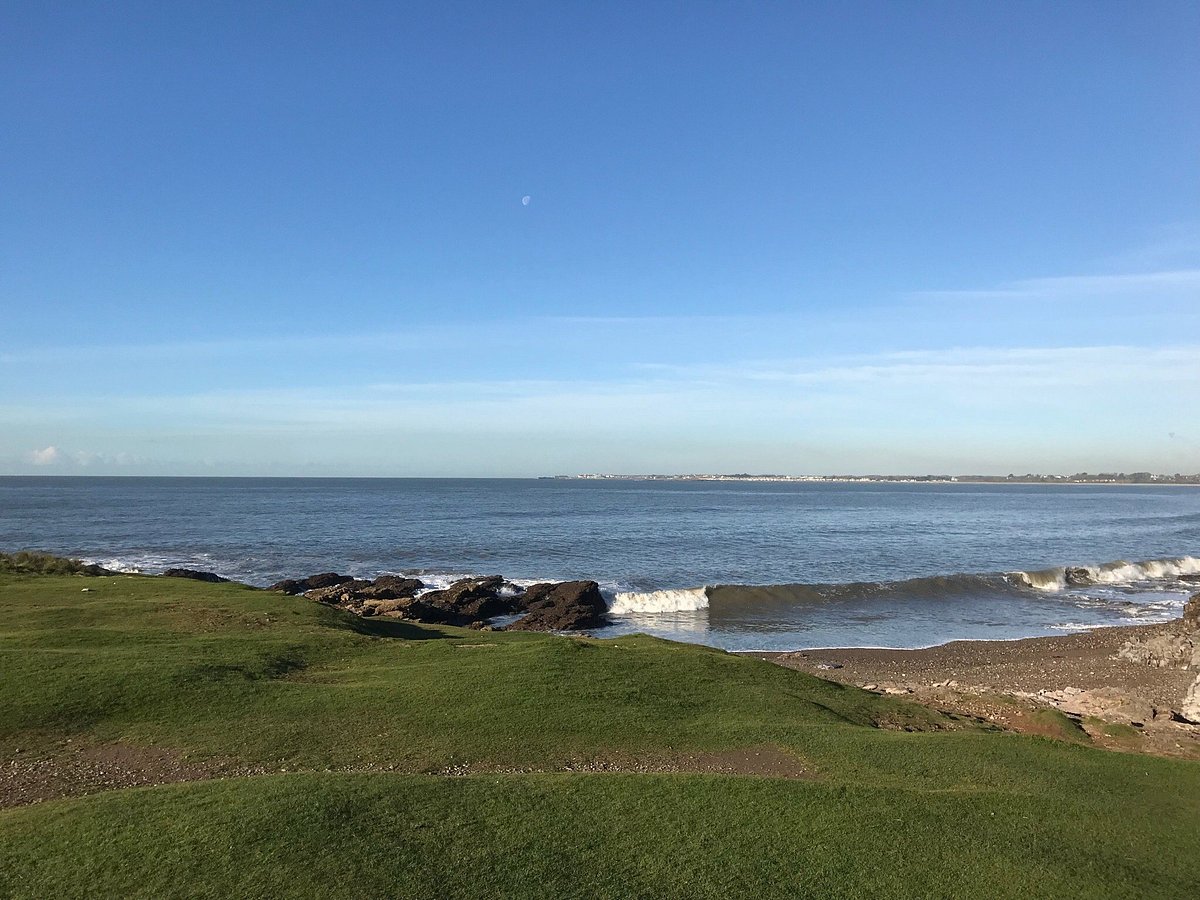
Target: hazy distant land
column 1029, row 478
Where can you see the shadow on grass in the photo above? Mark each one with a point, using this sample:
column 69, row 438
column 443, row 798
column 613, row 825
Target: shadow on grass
column 394, row 628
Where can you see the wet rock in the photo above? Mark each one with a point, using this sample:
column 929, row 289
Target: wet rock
column 473, row 598
column 567, row 606
column 1077, row 576
column 195, row 575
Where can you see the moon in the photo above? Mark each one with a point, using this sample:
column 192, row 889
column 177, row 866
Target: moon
column 526, row 200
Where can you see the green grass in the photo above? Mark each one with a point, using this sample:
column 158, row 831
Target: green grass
column 1120, row 730
column 902, row 801
column 600, row 835
column 1057, row 724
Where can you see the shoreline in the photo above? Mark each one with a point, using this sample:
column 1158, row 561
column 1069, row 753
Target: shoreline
column 1016, row 684
column 843, row 648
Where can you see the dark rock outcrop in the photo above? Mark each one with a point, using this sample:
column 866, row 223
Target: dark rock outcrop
column 537, row 596
column 1077, row 576
column 567, row 606
column 392, row 587
column 326, row 579
column 96, row 571
column 194, row 575
column 564, row 606
column 434, row 612
column 473, row 599
column 311, row 583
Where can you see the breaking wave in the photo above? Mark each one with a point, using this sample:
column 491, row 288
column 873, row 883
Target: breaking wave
column 1119, row 572
column 1160, row 572
column 669, row 601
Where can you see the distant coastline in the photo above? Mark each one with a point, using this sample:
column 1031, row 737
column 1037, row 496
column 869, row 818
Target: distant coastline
column 1029, row 478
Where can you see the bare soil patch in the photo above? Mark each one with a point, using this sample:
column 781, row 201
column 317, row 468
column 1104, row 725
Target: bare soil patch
column 70, row 769
column 766, row 762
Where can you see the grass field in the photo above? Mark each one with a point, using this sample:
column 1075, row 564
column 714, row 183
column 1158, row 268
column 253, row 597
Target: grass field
column 376, row 758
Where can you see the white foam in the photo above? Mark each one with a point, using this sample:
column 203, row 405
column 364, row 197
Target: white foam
column 114, row 565
column 1125, row 572
column 668, row 601
column 1074, row 626
column 1118, row 573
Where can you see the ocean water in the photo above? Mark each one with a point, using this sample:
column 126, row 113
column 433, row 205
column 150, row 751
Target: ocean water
column 738, row 565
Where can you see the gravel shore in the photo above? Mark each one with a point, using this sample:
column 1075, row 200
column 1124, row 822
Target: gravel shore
column 1117, row 703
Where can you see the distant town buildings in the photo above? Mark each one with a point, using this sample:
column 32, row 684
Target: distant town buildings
column 1029, row 478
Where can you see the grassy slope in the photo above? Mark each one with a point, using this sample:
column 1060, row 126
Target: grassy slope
column 223, row 671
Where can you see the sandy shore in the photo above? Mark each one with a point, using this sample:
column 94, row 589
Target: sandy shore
column 1117, row 703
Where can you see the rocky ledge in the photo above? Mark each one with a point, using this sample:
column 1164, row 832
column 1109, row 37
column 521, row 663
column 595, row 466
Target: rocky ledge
column 1177, row 647
column 471, row 602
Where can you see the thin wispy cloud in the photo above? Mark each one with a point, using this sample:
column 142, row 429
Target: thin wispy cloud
column 672, row 391
column 898, row 376
column 1044, row 367
column 1076, row 287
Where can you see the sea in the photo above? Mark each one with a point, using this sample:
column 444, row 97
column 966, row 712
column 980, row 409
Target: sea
column 731, row 564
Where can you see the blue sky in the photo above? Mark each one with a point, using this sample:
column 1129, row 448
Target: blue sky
column 289, row 238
